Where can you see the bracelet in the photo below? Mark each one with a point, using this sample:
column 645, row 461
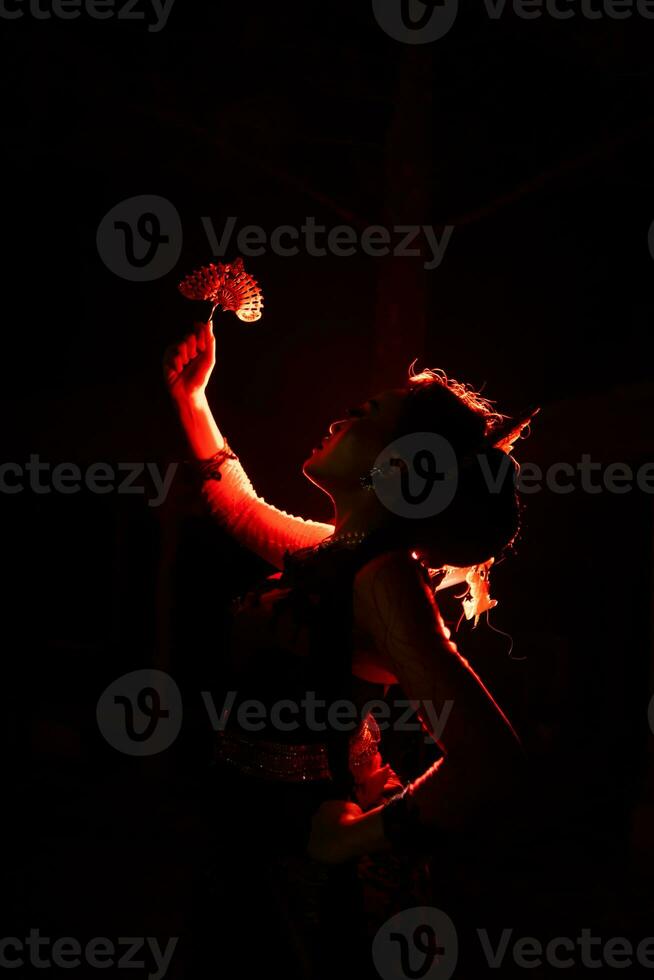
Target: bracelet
column 401, row 821
column 209, row 469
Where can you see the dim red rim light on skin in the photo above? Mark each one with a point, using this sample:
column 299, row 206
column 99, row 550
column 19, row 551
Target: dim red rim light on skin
column 228, row 286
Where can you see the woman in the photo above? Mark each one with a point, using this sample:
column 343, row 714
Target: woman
column 352, row 614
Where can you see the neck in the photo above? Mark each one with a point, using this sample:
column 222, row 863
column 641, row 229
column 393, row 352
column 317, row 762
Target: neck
column 354, row 515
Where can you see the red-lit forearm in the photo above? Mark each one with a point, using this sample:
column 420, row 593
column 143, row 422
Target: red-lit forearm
column 449, row 799
column 233, row 501
column 203, row 435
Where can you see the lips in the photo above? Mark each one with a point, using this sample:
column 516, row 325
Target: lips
column 321, row 444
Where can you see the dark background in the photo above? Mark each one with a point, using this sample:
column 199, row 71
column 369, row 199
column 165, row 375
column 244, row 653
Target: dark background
column 534, row 139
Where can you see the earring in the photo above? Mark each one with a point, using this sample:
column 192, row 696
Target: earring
column 367, row 480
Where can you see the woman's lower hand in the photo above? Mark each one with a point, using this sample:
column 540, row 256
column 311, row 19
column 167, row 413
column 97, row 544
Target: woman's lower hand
column 332, row 839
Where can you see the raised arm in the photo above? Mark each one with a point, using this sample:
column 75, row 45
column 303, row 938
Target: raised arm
column 256, row 524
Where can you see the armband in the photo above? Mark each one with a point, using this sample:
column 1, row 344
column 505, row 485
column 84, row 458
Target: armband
column 209, row 469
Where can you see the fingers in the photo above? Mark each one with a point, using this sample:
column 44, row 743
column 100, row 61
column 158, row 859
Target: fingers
column 169, row 353
column 199, row 337
column 204, row 335
column 172, row 360
column 177, row 356
column 207, row 341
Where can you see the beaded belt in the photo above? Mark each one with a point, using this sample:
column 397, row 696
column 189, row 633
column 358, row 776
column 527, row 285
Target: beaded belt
column 284, row 762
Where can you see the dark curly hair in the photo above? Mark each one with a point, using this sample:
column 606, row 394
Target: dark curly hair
column 483, row 518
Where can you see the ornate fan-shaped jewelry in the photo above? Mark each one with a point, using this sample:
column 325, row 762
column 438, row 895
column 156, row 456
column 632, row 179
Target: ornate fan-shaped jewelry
column 228, row 286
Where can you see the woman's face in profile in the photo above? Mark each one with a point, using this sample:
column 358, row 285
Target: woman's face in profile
column 353, row 444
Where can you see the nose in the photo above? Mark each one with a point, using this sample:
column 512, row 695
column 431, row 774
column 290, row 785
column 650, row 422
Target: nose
column 336, row 427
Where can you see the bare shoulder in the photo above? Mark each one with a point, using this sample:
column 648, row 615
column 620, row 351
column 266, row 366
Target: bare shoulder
column 391, row 583
column 390, row 566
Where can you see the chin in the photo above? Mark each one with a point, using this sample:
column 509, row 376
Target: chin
column 319, row 469
column 311, row 468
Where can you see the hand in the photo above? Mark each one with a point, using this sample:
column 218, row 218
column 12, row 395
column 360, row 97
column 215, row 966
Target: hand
column 187, row 366
column 376, row 783
column 331, row 838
